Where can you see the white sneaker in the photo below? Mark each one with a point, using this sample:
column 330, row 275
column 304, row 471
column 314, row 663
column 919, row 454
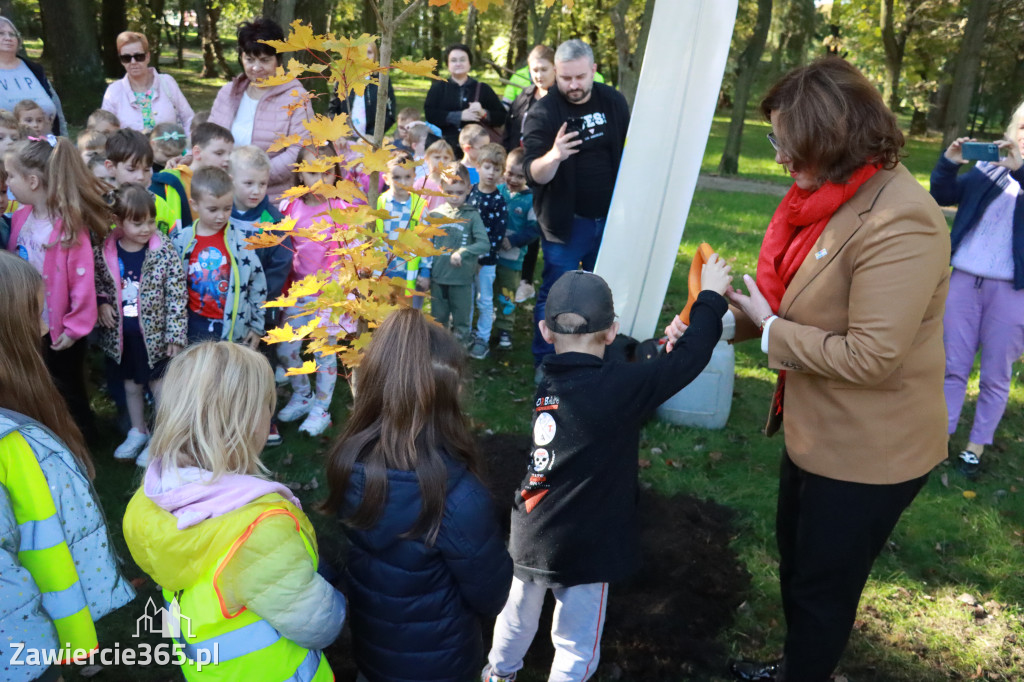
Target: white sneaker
column 525, row 292
column 317, row 421
column 131, row 446
column 298, row 406
column 279, row 377
column 143, row 459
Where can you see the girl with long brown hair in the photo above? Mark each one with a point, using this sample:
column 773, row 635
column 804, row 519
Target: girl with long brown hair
column 427, row 558
column 62, row 213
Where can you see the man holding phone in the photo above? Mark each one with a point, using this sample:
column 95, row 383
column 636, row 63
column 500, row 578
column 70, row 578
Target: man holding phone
column 573, row 142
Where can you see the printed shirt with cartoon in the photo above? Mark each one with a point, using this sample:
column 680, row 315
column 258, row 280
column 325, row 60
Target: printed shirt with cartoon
column 69, row 271
column 468, row 237
column 494, row 213
column 162, row 297
column 574, row 515
column 247, row 285
column 522, row 226
column 208, row 273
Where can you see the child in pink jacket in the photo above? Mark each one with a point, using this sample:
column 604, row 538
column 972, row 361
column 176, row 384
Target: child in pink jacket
column 58, row 243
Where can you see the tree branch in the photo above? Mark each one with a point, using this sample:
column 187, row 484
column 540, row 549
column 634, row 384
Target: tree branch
column 407, row 11
column 376, row 11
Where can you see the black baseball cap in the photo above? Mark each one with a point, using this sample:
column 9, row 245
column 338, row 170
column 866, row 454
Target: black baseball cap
column 584, row 294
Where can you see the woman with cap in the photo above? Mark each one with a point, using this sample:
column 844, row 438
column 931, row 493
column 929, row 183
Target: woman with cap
column 144, row 98
column 22, row 78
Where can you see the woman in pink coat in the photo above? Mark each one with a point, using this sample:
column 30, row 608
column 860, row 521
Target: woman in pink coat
column 259, row 115
column 144, row 97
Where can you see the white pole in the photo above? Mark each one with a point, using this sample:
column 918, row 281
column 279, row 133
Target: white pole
column 682, row 72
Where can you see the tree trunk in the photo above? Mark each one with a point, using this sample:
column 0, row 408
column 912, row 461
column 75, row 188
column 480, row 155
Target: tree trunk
column 152, row 19
column 78, row 74
column 182, row 8
column 517, row 46
column 966, row 73
column 214, row 64
column 368, row 19
column 113, row 20
column 7, row 8
column 313, row 12
column 797, row 28
column 630, row 58
column 470, row 35
column 746, row 70
column 918, row 122
column 281, row 11
column 436, row 34
column 541, row 23
column 218, row 46
column 895, row 46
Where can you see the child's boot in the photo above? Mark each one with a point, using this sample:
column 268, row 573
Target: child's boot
column 317, row 421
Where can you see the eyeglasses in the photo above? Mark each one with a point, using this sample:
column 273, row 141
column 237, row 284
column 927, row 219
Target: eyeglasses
column 128, row 58
column 774, row 141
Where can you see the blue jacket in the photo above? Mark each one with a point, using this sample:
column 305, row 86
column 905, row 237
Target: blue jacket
column 414, row 609
column 972, row 192
column 276, row 260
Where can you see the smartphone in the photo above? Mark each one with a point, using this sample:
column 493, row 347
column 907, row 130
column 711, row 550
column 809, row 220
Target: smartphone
column 980, row 151
column 574, row 124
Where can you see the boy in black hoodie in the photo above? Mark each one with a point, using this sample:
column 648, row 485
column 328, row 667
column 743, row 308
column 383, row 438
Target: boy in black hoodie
column 574, row 516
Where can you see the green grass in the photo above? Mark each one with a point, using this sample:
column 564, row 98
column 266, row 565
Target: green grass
column 911, row 626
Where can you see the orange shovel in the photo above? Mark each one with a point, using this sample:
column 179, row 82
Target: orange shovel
column 704, row 252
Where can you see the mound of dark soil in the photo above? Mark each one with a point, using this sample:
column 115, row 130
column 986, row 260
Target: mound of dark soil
column 662, row 624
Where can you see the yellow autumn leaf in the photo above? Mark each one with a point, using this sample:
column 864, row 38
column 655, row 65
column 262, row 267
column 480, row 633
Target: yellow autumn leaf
column 283, row 75
column 324, row 129
column 284, row 141
column 308, row 367
column 345, row 190
column 424, row 192
column 280, row 334
column 373, row 159
column 307, row 286
column 304, row 330
column 263, row 240
column 970, row 494
column 425, row 68
column 281, row 302
column 301, row 38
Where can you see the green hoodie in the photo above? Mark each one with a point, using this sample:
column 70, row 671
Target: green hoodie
column 469, row 238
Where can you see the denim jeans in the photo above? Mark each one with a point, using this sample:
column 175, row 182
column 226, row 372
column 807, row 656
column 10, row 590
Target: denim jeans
column 580, row 251
column 485, row 302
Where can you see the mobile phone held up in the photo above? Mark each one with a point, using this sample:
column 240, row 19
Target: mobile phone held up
column 575, row 124
column 980, row 151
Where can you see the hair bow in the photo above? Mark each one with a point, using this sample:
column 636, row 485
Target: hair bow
column 169, row 135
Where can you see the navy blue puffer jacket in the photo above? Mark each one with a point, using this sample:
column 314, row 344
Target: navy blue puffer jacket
column 415, row 610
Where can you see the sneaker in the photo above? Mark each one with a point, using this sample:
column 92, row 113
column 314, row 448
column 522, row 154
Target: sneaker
column 478, row 350
column 132, row 445
column 525, row 292
column 489, row 675
column 317, row 421
column 279, row 377
column 298, row 406
column 969, row 465
column 505, row 340
column 143, row 459
column 274, row 437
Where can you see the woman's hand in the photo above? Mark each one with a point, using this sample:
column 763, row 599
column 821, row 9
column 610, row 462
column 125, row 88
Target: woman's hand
column 106, row 316
column 1012, row 161
column 715, row 275
column 755, row 306
column 472, row 114
column 955, row 151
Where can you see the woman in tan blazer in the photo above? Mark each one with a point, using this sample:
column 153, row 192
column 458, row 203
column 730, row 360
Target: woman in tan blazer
column 848, row 303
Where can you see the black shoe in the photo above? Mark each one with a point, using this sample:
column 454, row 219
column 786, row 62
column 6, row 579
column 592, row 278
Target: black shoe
column 755, row 671
column 969, row 465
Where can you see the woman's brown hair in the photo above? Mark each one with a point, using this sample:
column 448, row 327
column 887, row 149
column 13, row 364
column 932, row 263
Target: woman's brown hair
column 407, row 417
column 25, row 383
column 73, row 193
column 831, row 120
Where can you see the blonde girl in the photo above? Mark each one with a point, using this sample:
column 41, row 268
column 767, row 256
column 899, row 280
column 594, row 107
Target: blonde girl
column 437, row 156
column 310, row 257
column 232, row 547
column 62, row 213
column 140, row 283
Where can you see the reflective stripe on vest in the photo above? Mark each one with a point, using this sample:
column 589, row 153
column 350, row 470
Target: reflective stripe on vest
column 230, row 645
column 40, row 534
column 65, row 603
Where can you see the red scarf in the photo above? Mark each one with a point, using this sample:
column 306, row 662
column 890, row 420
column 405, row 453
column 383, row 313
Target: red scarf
column 794, row 229
column 798, row 222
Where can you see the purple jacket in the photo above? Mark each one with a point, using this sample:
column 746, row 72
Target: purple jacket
column 69, row 275
column 276, row 116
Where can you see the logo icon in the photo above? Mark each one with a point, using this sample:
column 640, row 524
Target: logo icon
column 165, row 621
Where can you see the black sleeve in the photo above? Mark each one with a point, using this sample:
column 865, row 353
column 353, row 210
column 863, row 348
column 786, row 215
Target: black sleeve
column 434, row 107
column 337, row 105
column 495, row 109
column 538, row 135
column 389, row 113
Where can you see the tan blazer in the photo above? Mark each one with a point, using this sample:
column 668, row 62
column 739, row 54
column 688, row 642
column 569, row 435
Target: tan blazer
column 860, row 337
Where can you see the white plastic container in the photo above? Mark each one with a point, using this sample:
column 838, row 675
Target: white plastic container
column 707, row 401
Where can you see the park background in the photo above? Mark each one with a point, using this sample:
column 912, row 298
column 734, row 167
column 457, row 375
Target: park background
column 945, row 599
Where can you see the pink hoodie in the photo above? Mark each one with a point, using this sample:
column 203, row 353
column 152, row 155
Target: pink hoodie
column 69, row 279
column 311, row 256
column 190, row 494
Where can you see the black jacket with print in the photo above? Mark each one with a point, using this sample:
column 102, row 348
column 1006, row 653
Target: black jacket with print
column 574, row 519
